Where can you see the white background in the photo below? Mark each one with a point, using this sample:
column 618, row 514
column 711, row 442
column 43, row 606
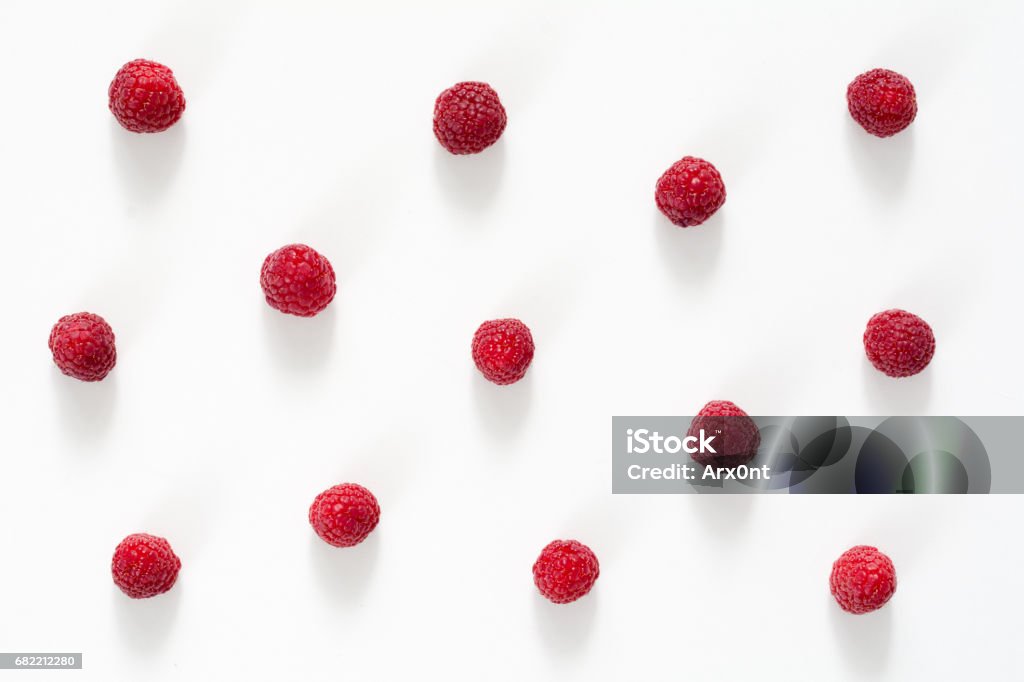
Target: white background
column 312, row 122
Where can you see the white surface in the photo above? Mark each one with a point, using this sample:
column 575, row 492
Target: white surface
column 311, row 122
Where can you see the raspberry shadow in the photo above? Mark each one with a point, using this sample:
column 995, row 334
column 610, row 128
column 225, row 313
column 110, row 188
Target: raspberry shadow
column 471, row 182
column 344, row 573
column 690, row 254
column 564, row 629
column 299, row 343
column 864, row 639
column 722, row 517
column 147, row 163
column 145, row 624
column 882, row 163
column 892, row 396
column 502, row 409
column 86, row 409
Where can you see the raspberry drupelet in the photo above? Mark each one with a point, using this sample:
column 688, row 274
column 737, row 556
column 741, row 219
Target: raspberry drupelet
column 565, row 571
column 862, row 580
column 83, row 347
column 503, row 350
column 883, row 102
column 144, row 97
column 468, row 118
column 738, row 437
column 298, row 280
column 689, row 192
column 144, row 566
column 344, row 515
column 898, row 343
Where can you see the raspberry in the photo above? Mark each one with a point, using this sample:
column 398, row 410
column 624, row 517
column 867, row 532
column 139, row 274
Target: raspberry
column 297, row 280
column 882, row 102
column 863, row 579
column 145, row 98
column 83, row 346
column 144, row 566
column 690, row 192
column 503, row 350
column 565, row 571
column 899, row 343
column 737, row 437
column 468, row 118
column 344, row 515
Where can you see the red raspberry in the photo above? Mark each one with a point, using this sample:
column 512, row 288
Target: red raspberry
column 565, row 571
column 737, row 437
column 882, row 102
column 863, row 579
column 297, row 280
column 899, row 343
column 503, row 350
column 690, row 192
column 344, row 515
column 83, row 346
column 144, row 566
column 145, row 98
column 468, row 118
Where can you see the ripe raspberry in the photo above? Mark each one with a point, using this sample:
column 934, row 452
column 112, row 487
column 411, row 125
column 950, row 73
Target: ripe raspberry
column 83, row 346
column 737, row 437
column 899, row 343
column 144, row 566
column 882, row 102
column 503, row 350
column 468, row 118
column 863, row 579
column 690, row 192
column 297, row 280
column 145, row 98
column 565, row 571
column 344, row 515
